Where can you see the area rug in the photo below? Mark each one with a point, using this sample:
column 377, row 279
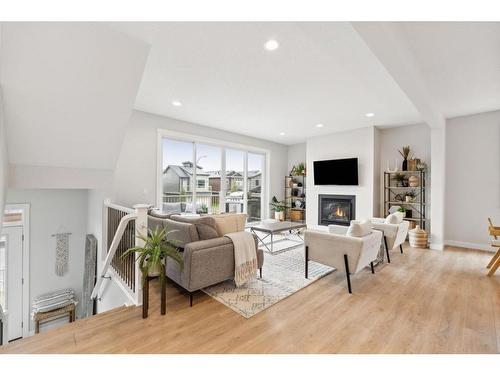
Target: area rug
column 282, row 276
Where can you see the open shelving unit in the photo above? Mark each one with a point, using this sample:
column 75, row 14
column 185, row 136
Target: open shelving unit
column 392, row 192
column 294, row 213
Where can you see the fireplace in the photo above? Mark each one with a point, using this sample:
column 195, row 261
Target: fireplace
column 336, row 209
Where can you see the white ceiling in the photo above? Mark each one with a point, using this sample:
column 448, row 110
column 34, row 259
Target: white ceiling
column 460, row 62
column 321, row 73
column 68, row 90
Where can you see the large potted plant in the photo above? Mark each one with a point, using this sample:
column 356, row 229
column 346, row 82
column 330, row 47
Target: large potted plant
column 154, row 253
column 279, row 208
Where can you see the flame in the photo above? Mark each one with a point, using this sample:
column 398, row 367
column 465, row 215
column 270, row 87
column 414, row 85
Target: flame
column 339, row 212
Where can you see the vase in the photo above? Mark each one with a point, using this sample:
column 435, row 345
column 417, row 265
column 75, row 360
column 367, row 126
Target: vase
column 280, row 216
column 418, row 237
column 413, row 180
column 404, row 167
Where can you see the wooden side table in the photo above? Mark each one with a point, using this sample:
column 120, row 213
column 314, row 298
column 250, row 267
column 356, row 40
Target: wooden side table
column 69, row 309
column 145, row 295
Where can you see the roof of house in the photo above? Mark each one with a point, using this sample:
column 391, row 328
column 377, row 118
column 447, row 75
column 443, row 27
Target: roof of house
column 185, row 171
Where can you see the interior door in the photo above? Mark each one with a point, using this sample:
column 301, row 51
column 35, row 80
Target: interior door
column 14, row 256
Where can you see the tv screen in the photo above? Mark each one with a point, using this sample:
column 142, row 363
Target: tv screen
column 336, row 172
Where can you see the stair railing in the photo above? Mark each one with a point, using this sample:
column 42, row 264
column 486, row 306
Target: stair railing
column 126, row 273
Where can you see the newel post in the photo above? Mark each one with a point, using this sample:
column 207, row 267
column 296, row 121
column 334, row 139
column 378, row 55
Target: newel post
column 141, row 227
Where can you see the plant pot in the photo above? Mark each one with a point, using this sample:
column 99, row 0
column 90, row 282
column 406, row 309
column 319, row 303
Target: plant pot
column 279, row 215
column 155, row 271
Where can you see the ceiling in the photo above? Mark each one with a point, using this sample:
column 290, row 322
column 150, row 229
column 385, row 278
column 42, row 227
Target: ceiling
column 321, row 73
column 460, row 63
column 68, row 91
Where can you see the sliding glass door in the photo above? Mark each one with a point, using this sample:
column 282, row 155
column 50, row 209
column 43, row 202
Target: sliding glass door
column 200, row 177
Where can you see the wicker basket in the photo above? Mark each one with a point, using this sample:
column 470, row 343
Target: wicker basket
column 418, row 237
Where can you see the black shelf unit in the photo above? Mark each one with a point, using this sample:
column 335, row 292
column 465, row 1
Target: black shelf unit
column 290, row 198
column 391, row 191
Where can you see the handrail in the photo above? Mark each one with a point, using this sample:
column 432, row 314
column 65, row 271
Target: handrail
column 108, row 203
column 112, row 250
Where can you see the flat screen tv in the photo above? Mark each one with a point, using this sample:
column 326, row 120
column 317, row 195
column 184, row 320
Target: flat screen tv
column 336, row 172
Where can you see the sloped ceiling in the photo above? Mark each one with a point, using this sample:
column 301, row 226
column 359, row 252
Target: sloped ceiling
column 69, row 89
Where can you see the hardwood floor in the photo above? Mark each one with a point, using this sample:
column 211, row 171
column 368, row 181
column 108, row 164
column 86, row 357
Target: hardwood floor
column 423, row 302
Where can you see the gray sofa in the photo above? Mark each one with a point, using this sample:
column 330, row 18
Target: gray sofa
column 208, row 255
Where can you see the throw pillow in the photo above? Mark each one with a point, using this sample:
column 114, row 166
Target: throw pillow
column 205, row 225
column 395, row 218
column 359, row 228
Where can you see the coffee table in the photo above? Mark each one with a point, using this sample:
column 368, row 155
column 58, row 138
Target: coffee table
column 271, row 227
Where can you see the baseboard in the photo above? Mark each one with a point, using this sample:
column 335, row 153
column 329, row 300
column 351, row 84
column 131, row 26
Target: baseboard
column 436, row 246
column 470, row 245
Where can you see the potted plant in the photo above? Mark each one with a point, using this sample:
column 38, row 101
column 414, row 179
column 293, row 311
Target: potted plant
column 300, row 169
column 154, row 253
column 279, row 208
column 400, row 179
column 403, row 210
column 410, row 196
column 204, row 209
column 405, row 152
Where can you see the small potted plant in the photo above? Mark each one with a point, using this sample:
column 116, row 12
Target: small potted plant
column 410, row 196
column 279, row 208
column 403, row 210
column 204, row 209
column 400, row 179
column 300, row 169
column 405, row 153
column 154, row 253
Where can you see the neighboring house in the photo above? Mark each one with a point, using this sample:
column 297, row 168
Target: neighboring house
column 235, row 179
column 177, row 179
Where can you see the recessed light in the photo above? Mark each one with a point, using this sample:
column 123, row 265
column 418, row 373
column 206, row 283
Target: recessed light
column 319, row 125
column 271, row 45
column 370, row 114
column 176, row 103
column 282, row 133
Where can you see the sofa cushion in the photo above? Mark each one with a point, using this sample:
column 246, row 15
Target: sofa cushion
column 230, row 223
column 160, row 214
column 205, row 225
column 395, row 218
column 359, row 228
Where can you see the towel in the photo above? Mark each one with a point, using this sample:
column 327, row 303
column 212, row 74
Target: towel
column 245, row 256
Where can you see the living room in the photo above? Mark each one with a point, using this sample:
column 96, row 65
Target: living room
column 273, row 186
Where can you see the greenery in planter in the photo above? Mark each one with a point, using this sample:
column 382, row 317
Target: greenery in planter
column 411, row 193
column 299, row 169
column 400, row 179
column 204, row 209
column 154, row 253
column 278, row 206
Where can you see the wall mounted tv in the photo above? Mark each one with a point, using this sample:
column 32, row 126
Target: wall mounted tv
column 336, row 172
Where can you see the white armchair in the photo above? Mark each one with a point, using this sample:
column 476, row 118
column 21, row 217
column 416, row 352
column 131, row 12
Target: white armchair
column 341, row 251
column 394, row 234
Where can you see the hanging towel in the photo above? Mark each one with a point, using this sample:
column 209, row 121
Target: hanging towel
column 62, row 253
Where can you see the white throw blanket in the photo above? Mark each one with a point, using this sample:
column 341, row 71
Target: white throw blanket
column 245, row 257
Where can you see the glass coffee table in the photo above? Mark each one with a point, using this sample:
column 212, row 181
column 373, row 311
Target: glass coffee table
column 287, row 230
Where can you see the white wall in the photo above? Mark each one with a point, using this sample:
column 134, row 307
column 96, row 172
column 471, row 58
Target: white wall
column 418, row 137
column 135, row 176
column 349, row 144
column 296, row 154
column 4, row 165
column 472, row 178
column 52, row 210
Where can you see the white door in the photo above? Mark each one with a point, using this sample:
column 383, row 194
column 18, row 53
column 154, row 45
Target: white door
column 14, row 251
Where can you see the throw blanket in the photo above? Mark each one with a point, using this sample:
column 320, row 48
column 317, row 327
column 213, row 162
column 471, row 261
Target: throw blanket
column 245, row 257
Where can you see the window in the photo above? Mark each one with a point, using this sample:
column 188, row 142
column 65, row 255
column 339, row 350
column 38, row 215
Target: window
column 217, row 177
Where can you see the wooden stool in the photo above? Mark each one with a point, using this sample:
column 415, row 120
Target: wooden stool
column 145, row 295
column 69, row 309
column 495, row 261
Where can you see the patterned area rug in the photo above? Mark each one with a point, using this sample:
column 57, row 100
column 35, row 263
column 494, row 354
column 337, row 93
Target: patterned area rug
column 282, row 275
